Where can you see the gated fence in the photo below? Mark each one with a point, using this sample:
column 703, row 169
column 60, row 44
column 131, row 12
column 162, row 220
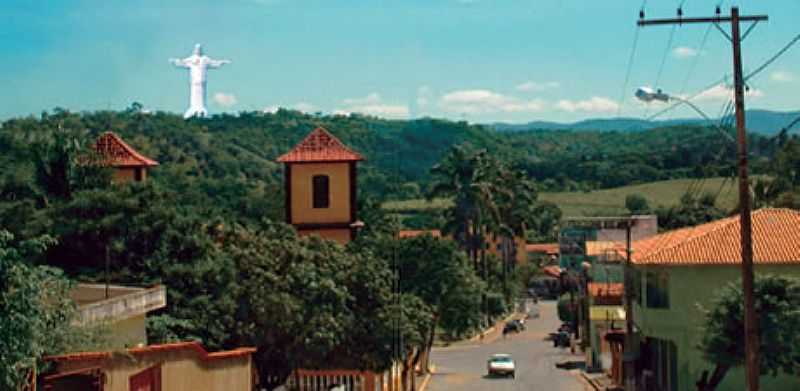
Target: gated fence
column 345, row 380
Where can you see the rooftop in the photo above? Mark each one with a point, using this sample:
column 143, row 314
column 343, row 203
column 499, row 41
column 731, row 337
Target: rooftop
column 546, row 248
column 155, row 349
column 118, row 153
column 122, row 302
column 776, row 240
column 320, row 146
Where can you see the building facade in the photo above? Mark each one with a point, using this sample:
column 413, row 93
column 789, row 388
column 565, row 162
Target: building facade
column 321, row 187
column 183, row 366
column 676, row 275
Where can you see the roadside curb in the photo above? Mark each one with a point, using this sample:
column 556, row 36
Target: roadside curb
column 492, row 328
column 425, row 381
column 591, row 382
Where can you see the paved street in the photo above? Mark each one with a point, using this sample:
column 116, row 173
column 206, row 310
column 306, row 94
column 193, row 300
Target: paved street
column 463, row 367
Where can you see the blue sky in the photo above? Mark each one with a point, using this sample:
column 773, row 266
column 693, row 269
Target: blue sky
column 478, row 60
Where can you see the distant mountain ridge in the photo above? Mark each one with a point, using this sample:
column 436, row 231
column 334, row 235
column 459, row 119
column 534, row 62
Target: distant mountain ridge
column 759, row 121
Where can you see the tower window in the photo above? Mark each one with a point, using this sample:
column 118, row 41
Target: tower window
column 321, row 190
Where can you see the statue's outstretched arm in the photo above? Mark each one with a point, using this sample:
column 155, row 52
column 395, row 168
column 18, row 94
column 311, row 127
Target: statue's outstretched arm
column 178, row 63
column 217, row 63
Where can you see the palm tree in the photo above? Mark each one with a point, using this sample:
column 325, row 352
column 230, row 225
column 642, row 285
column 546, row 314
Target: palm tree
column 463, row 176
column 516, row 200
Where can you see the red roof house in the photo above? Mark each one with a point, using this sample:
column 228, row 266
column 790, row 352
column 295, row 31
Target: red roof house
column 129, row 164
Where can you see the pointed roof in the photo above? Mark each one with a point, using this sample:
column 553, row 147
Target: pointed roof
column 320, row 146
column 776, row 240
column 118, row 153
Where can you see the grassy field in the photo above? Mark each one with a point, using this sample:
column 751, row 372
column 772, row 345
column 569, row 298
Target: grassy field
column 608, row 201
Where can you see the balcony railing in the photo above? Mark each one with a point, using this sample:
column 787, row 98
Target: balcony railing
column 124, row 306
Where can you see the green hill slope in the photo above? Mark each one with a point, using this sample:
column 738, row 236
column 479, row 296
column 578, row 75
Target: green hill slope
column 607, row 201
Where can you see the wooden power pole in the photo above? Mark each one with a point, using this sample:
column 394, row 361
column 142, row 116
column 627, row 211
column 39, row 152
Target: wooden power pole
column 750, row 320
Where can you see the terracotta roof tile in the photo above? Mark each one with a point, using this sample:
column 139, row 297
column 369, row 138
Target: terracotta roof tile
column 320, row 146
column 152, row 349
column 776, row 240
column 547, row 248
column 414, row 233
column 614, row 289
column 552, row 271
column 118, row 153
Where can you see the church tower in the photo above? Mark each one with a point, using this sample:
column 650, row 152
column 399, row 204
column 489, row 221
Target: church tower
column 320, row 180
column 129, row 165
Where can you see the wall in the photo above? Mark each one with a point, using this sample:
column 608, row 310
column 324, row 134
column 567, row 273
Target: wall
column 180, row 371
column 127, row 174
column 129, row 332
column 682, row 322
column 302, row 210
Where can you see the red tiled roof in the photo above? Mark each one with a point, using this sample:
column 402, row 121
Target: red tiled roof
column 776, row 240
column 152, row 349
column 614, row 289
column 552, row 271
column 414, row 233
column 117, row 153
column 320, row 146
column 546, row 248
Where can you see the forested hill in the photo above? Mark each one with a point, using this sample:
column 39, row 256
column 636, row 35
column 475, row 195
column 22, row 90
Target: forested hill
column 232, row 157
column 764, row 122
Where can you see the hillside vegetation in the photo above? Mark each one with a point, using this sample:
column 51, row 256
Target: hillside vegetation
column 606, row 201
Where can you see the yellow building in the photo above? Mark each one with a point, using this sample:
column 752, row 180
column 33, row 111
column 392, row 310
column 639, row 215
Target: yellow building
column 183, row 366
column 320, row 180
column 129, row 165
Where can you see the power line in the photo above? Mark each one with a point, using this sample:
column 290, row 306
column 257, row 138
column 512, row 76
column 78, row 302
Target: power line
column 695, row 60
column 676, row 104
column 628, row 72
column 773, row 58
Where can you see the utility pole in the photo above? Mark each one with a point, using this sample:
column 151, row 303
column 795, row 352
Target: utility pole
column 750, row 321
column 628, row 362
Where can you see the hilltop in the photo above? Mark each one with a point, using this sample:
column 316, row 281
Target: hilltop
column 764, row 122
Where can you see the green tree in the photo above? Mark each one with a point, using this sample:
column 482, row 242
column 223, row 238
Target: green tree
column 637, row 204
column 776, row 301
column 307, row 303
column 691, row 211
column 37, row 312
column 440, row 275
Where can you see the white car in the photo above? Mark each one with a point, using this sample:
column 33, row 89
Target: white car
column 501, row 364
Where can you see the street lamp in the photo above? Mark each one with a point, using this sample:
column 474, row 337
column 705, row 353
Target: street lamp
column 648, row 95
column 751, row 334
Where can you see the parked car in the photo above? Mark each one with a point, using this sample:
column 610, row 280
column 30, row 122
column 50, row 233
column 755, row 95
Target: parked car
column 501, row 364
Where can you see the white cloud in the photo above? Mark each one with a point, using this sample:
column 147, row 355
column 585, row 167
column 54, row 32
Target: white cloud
column 373, row 104
column 721, row 92
column 782, row 76
column 424, row 96
column 299, row 106
column 532, row 86
column 225, row 99
column 684, row 52
column 596, row 104
column 485, row 101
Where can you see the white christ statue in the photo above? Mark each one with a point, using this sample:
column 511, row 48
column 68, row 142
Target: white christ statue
column 198, row 64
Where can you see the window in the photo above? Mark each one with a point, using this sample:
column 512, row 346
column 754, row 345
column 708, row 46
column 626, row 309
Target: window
column 657, row 286
column 321, row 191
column 137, row 174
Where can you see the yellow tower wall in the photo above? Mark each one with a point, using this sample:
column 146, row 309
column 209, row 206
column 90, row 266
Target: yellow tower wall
column 302, row 207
